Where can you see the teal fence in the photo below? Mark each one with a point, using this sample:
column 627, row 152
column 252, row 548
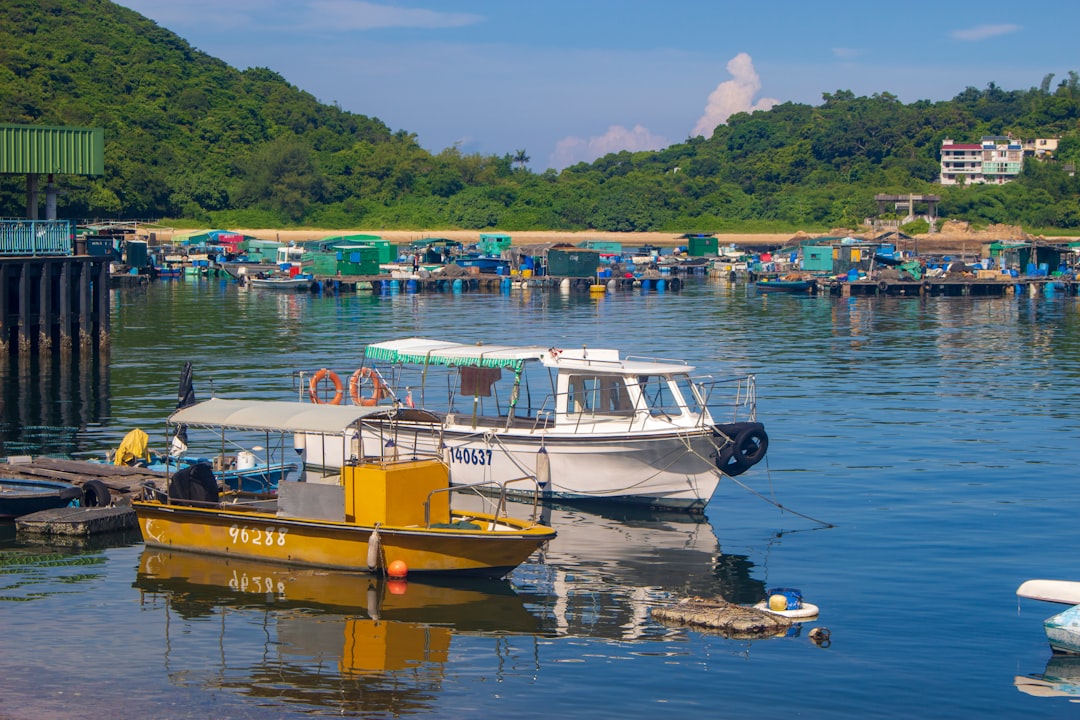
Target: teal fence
column 36, row 237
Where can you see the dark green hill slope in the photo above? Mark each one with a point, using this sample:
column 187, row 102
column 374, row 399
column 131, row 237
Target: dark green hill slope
column 182, row 129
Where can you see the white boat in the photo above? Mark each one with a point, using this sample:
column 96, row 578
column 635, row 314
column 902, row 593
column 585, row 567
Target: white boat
column 1063, row 629
column 297, row 282
column 589, row 424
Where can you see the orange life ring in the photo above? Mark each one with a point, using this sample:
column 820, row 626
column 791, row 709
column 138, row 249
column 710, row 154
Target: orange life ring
column 378, row 390
column 313, row 387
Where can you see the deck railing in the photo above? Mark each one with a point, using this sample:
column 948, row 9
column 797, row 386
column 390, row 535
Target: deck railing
column 29, row 238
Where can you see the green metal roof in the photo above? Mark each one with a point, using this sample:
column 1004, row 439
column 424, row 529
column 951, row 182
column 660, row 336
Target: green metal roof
column 44, row 150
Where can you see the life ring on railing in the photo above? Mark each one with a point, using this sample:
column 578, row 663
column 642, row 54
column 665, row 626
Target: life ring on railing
column 378, row 390
column 313, row 387
column 883, row 286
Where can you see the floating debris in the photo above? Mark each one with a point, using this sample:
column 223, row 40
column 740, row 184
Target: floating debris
column 821, row 637
column 733, row 621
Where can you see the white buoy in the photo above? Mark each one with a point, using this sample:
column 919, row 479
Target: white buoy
column 373, row 548
column 543, row 468
column 372, row 603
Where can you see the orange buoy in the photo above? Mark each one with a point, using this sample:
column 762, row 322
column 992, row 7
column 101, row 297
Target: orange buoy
column 317, row 378
column 378, row 391
column 397, row 569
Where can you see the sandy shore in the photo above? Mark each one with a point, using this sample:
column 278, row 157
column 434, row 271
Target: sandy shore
column 961, row 242
column 403, row 237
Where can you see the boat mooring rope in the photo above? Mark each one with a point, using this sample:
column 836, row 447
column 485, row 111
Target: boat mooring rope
column 780, row 506
column 771, row 501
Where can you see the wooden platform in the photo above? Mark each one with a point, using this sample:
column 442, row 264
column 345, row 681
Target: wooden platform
column 78, row 522
column 121, row 480
column 386, row 285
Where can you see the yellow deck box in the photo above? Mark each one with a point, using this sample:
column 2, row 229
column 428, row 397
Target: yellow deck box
column 394, row 493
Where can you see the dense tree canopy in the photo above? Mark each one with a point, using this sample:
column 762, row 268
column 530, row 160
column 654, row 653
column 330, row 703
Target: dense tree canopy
column 187, row 136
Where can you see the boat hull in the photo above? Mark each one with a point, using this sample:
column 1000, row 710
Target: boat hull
column 788, row 286
column 259, row 478
column 663, row 470
column 293, row 285
column 22, row 497
column 337, row 545
column 1063, row 631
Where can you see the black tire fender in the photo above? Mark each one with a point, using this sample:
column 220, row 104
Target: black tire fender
column 96, row 494
column 72, row 494
column 752, row 444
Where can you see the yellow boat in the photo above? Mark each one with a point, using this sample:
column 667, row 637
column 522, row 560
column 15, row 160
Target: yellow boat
column 386, row 514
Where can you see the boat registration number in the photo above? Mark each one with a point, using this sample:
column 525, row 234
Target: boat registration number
column 257, row 585
column 267, row 537
column 470, row 456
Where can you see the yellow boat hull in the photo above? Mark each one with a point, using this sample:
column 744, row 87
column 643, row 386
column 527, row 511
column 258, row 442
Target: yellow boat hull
column 342, row 545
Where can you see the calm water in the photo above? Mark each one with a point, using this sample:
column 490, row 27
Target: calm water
column 936, row 436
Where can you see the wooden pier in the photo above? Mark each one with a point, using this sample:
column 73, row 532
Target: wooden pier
column 386, row 285
column 948, row 286
column 954, row 287
column 50, row 299
column 123, row 482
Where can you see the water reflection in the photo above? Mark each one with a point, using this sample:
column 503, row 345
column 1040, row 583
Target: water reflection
column 1060, row 679
column 604, row 572
column 321, row 638
column 46, row 401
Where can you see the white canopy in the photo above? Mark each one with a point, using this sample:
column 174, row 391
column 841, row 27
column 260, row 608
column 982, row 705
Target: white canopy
column 284, row 416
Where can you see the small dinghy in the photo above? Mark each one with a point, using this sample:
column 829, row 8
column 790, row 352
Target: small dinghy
column 1063, row 629
column 22, row 497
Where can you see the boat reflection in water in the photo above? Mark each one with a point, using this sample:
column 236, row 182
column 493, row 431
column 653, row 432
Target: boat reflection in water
column 322, row 638
column 1061, row 679
column 359, row 643
column 602, row 574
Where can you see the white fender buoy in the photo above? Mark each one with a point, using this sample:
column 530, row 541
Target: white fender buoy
column 565, row 285
column 373, row 550
column 805, row 611
column 543, row 468
column 372, row 603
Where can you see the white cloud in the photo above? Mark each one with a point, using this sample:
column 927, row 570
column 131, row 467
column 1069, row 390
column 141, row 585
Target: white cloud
column 733, row 96
column 571, row 150
column 361, row 15
column 984, row 32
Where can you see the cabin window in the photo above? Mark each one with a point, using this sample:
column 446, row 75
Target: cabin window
column 657, row 395
column 602, row 394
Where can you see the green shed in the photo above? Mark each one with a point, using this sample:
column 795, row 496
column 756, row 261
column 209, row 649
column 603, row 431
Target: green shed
column 493, row 244
column 259, row 250
column 319, row 262
column 387, row 251
column 605, row 247
column 702, row 246
column 817, row 258
column 357, row 259
column 572, row 262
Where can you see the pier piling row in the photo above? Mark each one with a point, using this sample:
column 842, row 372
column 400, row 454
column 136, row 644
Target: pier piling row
column 52, row 304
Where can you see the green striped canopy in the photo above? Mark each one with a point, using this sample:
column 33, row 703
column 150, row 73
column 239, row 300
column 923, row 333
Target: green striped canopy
column 420, row 351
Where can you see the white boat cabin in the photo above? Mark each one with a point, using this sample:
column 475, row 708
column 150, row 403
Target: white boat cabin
column 503, row 386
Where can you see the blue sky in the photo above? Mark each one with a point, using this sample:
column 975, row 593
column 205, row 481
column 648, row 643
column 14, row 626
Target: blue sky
column 571, row 80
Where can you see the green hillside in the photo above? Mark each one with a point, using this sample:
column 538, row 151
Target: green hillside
column 189, row 137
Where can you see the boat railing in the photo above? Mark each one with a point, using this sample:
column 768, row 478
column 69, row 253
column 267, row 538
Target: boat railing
column 653, row 359
column 490, row 486
column 740, row 397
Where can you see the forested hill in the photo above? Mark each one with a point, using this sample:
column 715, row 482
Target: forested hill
column 187, row 136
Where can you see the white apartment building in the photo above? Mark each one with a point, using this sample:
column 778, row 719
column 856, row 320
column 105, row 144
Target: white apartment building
column 994, row 159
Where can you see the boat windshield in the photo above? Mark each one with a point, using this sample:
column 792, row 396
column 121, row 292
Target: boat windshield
column 663, row 396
